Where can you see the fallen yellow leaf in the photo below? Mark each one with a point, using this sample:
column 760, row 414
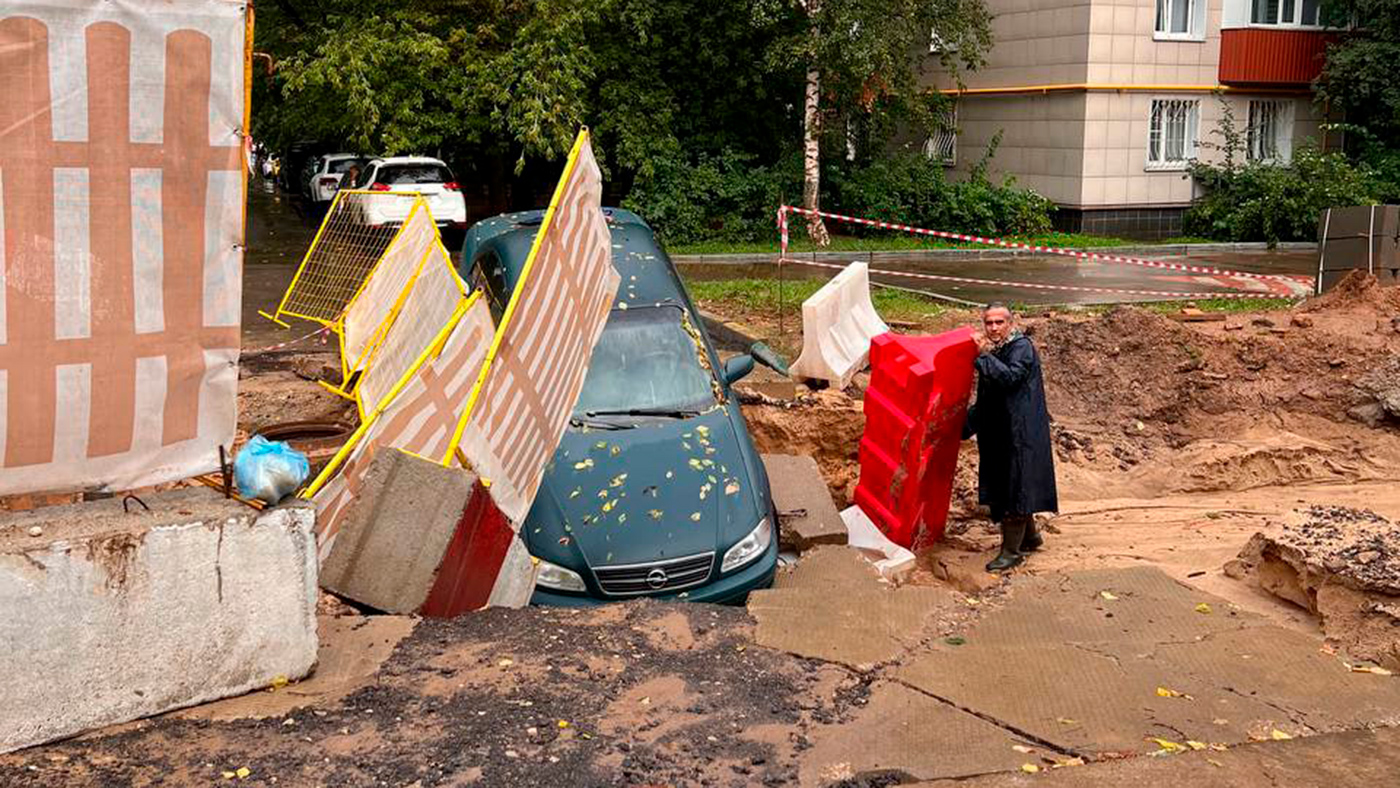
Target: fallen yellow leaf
column 1379, row 671
column 563, row 723
column 1022, row 748
column 1106, row 595
column 1278, row 735
column 1167, row 744
column 1029, row 768
column 1068, row 762
column 1066, row 721
column 1203, row 608
column 1195, row 745
column 229, row 775
column 1215, row 763
column 279, row 681
column 243, row 772
column 1163, row 692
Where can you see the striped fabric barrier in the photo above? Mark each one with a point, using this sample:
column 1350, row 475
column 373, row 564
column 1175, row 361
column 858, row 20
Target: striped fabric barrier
column 419, row 417
column 1005, row 244
column 121, row 229
column 541, row 351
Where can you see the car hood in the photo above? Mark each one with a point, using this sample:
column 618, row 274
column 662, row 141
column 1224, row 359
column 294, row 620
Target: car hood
column 663, row 489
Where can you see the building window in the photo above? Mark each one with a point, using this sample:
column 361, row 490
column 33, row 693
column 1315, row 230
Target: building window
column 1290, row 13
column 1180, row 19
column 943, row 145
column 1270, row 132
column 1171, row 134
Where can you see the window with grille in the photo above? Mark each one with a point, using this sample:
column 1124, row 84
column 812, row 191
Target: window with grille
column 1292, row 13
column 1171, row 134
column 1270, row 132
column 943, row 145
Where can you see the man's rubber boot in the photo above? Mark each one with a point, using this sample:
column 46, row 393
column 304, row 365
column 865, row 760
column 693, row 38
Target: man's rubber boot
column 1013, row 530
column 1032, row 540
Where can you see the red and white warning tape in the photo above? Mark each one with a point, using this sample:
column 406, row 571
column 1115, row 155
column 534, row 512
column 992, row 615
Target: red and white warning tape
column 321, row 332
column 1001, row 242
column 1160, row 294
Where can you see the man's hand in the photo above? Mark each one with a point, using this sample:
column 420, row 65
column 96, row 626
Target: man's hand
column 984, row 344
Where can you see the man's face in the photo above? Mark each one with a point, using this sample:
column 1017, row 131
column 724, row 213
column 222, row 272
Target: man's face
column 997, row 324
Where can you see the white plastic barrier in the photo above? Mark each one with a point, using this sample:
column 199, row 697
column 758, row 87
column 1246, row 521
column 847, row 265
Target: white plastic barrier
column 838, row 322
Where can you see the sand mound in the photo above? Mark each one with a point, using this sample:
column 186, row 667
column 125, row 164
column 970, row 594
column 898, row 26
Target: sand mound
column 1356, row 290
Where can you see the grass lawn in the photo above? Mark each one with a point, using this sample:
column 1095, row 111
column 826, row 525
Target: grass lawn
column 902, row 242
column 761, row 295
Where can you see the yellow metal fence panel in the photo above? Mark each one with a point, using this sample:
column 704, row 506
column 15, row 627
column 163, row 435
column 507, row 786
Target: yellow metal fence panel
column 358, row 228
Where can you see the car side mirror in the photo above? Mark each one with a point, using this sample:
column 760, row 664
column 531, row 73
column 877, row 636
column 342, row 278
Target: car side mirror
column 737, row 367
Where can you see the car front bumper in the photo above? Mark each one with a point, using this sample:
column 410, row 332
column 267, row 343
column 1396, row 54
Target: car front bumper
column 728, row 589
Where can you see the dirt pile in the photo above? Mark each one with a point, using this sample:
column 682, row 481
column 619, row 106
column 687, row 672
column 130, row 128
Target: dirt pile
column 275, row 388
column 825, row 425
column 1341, row 564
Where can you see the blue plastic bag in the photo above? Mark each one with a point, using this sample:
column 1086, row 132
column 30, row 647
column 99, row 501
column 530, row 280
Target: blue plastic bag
column 269, row 470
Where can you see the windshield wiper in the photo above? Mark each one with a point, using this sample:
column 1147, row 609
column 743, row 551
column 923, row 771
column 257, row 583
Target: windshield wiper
column 577, row 421
column 672, row 413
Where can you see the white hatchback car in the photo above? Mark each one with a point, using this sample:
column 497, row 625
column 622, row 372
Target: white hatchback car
column 426, row 176
column 330, row 170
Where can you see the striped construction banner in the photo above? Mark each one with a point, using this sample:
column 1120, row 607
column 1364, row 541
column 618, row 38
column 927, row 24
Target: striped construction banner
column 542, row 348
column 121, row 220
column 420, row 418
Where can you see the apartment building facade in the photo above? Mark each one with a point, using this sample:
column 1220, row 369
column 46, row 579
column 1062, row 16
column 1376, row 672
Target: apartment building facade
column 1101, row 104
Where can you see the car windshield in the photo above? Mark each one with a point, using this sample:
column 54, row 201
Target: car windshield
column 339, row 166
column 645, row 360
column 402, row 174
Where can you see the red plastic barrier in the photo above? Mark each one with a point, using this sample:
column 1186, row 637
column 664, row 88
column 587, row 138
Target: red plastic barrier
column 914, row 411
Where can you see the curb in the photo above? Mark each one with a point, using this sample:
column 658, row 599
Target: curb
column 728, row 332
column 874, row 257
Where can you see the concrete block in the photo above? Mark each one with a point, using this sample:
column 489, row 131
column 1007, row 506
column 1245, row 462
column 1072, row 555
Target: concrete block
column 107, row 616
column 838, row 322
column 426, row 539
column 391, row 543
column 806, row 514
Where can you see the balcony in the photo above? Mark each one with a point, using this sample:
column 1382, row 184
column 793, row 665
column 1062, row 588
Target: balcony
column 1271, row 56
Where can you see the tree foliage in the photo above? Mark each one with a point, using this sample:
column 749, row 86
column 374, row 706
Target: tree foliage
column 1358, row 77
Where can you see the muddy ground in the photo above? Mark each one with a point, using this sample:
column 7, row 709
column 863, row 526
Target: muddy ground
column 1175, row 442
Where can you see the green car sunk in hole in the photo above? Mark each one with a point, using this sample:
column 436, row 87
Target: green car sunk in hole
column 656, row 488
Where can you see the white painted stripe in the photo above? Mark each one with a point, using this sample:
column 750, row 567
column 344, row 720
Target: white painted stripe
column 3, row 296
column 147, row 251
column 68, row 79
column 149, row 424
column 147, row 88
column 223, row 287
column 70, row 431
column 72, row 264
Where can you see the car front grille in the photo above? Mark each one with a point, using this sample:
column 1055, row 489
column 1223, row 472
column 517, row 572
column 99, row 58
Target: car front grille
column 633, row 579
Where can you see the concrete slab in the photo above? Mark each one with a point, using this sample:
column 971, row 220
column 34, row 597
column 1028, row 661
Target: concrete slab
column 806, row 514
column 1122, row 635
column 833, row 605
column 1357, row 759
column 110, row 616
column 908, row 734
column 391, row 544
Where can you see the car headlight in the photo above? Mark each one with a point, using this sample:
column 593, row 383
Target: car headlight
column 748, row 548
column 557, row 577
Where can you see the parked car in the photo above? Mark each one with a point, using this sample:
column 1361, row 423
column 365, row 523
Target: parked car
column 430, row 177
column 325, row 180
column 675, row 502
column 294, row 163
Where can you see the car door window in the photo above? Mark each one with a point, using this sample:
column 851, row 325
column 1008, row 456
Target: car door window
column 490, row 275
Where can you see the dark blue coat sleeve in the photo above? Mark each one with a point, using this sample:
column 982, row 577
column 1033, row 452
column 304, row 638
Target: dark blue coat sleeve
column 1011, row 373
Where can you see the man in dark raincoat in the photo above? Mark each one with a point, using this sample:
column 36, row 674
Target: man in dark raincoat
column 1016, row 466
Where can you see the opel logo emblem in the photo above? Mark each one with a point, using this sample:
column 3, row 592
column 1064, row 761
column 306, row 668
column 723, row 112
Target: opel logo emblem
column 657, row 578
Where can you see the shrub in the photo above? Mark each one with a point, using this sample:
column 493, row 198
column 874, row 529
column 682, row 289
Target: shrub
column 724, row 197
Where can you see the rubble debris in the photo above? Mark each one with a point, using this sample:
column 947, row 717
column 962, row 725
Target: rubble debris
column 1341, row 564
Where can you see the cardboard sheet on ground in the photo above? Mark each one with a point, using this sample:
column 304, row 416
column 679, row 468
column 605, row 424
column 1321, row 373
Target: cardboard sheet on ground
column 121, row 219
column 545, row 341
column 838, row 322
column 421, row 419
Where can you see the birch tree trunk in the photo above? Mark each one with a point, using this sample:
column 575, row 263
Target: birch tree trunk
column 811, row 137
